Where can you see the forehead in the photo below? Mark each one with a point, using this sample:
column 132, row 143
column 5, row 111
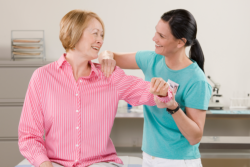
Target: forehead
column 163, row 27
column 94, row 24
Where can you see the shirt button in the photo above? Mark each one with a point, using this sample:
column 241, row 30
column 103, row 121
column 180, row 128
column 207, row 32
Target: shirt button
column 76, row 94
column 80, row 80
column 76, row 160
column 77, row 127
column 77, row 110
column 77, row 145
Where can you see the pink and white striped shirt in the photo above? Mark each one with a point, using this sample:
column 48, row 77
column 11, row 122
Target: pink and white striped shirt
column 76, row 116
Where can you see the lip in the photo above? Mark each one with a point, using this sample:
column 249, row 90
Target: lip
column 96, row 47
column 157, row 45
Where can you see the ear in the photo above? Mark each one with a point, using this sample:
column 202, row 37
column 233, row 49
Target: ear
column 181, row 42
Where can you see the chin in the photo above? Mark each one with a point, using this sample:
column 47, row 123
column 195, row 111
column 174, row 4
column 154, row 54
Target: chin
column 157, row 52
column 94, row 57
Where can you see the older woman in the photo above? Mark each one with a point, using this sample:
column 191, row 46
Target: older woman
column 172, row 131
column 75, row 104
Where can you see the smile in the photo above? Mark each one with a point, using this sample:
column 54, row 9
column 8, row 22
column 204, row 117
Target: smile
column 96, row 48
column 157, row 45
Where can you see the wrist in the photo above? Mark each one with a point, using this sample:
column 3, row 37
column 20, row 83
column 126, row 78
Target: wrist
column 108, row 55
column 174, row 106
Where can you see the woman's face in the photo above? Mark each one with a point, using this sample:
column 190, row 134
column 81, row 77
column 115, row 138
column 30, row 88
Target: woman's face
column 165, row 42
column 91, row 40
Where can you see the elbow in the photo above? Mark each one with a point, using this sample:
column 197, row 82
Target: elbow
column 195, row 140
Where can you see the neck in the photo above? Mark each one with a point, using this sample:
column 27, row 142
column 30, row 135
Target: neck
column 79, row 64
column 177, row 60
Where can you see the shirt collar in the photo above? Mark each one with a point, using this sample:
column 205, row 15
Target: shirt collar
column 62, row 60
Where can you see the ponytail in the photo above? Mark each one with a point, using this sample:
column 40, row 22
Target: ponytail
column 183, row 25
column 196, row 54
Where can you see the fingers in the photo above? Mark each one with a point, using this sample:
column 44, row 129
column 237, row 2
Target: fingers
column 160, row 104
column 157, row 101
column 106, row 58
column 155, row 84
column 161, row 85
column 104, row 67
column 108, row 66
column 152, row 83
column 112, row 68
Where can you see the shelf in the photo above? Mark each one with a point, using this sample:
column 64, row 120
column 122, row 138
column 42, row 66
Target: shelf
column 35, row 41
column 129, row 115
column 226, row 139
column 225, row 153
column 124, row 113
column 129, row 151
column 28, row 43
column 205, row 153
column 28, row 56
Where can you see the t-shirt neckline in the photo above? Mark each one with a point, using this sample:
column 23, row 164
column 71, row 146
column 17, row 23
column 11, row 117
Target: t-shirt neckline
column 188, row 67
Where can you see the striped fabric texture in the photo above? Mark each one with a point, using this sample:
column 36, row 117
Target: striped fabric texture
column 76, row 117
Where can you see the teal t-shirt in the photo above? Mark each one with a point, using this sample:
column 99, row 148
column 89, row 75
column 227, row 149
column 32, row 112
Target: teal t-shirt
column 161, row 136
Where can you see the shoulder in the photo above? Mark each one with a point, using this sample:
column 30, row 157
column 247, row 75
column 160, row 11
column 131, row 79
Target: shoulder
column 197, row 74
column 50, row 68
column 145, row 54
column 117, row 69
column 117, row 73
column 145, row 57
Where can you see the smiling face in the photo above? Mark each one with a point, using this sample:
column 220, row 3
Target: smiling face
column 165, row 42
column 91, row 40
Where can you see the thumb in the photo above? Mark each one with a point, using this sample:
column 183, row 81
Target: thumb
column 155, row 98
column 173, row 96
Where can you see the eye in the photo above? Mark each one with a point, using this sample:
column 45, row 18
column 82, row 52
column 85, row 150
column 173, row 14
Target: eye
column 161, row 36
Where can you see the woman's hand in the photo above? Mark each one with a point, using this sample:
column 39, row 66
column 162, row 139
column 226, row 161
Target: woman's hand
column 159, row 87
column 46, row 164
column 172, row 104
column 106, row 59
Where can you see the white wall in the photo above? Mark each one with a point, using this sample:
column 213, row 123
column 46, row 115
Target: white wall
column 223, row 30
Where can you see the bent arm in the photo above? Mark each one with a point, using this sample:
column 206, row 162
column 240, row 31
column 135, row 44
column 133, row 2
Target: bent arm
column 123, row 60
column 192, row 124
column 31, row 126
column 136, row 91
column 126, row 60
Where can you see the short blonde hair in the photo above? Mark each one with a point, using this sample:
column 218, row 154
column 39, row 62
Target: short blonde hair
column 72, row 26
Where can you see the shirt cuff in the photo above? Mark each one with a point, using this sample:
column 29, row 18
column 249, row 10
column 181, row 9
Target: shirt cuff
column 167, row 98
column 40, row 159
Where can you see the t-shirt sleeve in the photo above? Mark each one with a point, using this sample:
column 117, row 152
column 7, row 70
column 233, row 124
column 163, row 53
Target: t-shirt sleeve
column 198, row 95
column 143, row 58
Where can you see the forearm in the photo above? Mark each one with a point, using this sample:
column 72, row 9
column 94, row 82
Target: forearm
column 190, row 130
column 126, row 60
column 33, row 149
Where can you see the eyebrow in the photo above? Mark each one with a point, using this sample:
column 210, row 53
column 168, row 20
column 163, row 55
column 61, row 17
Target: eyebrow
column 97, row 29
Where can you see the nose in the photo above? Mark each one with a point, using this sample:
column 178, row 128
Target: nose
column 99, row 41
column 154, row 38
